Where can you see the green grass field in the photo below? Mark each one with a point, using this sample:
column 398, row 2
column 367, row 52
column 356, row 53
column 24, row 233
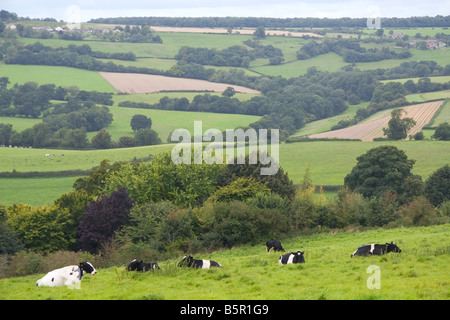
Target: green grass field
column 420, row 272
column 329, row 163
column 60, row 76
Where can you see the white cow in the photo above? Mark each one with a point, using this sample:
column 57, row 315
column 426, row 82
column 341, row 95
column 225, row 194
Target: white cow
column 67, row 276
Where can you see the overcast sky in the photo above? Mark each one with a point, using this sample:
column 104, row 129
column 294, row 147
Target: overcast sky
column 83, row 10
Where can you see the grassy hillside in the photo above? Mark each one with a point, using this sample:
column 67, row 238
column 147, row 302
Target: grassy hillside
column 60, row 76
column 420, row 272
column 329, row 163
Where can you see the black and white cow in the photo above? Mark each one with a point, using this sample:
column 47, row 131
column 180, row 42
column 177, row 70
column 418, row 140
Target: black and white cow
column 376, row 249
column 275, row 245
column 189, row 261
column 66, row 276
column 139, row 265
column 293, row 257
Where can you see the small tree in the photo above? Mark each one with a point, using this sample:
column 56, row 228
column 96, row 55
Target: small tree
column 139, row 121
column 437, row 186
column 398, row 128
column 442, row 132
column 260, row 32
column 229, row 92
column 102, row 140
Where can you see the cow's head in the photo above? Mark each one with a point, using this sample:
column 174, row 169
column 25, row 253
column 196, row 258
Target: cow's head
column 186, row 261
column 87, row 267
column 300, row 257
column 155, row 266
column 392, row 247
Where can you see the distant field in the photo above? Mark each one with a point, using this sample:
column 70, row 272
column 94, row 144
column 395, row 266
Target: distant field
column 247, row 31
column 326, row 124
column 325, row 62
column 146, row 83
column 331, row 161
column 438, row 79
column 368, row 130
column 441, row 56
column 421, row 97
column 34, row 191
column 60, row 76
column 165, row 121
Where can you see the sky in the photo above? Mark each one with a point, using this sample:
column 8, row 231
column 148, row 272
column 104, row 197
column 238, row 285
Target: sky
column 84, row 10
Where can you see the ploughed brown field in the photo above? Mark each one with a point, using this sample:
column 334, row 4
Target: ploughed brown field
column 147, row 83
column 367, row 131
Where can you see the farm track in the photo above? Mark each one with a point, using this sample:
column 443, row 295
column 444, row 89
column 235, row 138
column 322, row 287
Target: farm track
column 367, row 131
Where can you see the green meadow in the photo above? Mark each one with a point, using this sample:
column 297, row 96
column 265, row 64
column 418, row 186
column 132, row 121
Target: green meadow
column 419, row 272
column 328, row 161
column 60, row 76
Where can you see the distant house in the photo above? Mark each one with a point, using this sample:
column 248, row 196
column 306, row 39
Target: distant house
column 435, row 44
column 397, row 35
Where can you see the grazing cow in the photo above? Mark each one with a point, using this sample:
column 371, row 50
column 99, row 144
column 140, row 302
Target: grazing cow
column 376, row 249
column 293, row 257
column 139, row 265
column 189, row 261
column 69, row 276
column 275, row 245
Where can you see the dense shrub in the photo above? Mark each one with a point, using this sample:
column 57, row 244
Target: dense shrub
column 102, row 219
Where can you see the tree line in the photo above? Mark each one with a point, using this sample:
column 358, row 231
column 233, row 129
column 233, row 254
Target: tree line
column 64, row 124
column 254, row 22
column 116, row 208
column 234, row 56
column 350, row 50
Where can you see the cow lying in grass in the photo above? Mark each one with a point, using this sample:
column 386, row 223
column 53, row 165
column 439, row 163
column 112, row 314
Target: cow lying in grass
column 67, row 276
column 376, row 249
column 293, row 257
column 189, row 261
column 139, row 265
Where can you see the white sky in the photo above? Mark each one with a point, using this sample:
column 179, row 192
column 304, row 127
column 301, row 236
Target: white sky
column 83, row 10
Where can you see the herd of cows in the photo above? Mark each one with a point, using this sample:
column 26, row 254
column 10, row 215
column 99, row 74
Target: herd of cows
column 72, row 275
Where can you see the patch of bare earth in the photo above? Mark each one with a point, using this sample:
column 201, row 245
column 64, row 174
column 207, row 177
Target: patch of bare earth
column 148, row 83
column 367, row 131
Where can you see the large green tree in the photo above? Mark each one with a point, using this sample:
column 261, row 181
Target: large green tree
column 382, row 169
column 437, row 186
column 398, row 127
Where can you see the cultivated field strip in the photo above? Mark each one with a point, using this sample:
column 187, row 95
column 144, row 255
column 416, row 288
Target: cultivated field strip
column 133, row 83
column 247, row 31
column 367, row 131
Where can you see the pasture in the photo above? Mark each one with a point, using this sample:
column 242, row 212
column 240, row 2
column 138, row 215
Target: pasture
column 420, row 272
column 60, row 76
column 329, row 162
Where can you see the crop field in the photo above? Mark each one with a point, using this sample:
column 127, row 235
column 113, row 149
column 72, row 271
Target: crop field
column 247, row 31
column 419, row 272
column 132, row 83
column 373, row 128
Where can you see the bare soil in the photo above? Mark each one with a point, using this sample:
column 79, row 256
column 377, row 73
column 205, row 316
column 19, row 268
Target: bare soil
column 367, row 131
